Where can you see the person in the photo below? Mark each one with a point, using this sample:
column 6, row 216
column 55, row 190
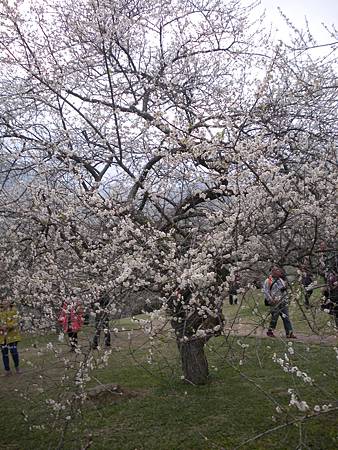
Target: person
column 331, row 295
column 276, row 296
column 328, row 261
column 9, row 336
column 307, row 280
column 102, row 321
column 233, row 290
column 71, row 320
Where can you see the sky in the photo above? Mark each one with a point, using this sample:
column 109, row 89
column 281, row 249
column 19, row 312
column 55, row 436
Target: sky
column 316, row 12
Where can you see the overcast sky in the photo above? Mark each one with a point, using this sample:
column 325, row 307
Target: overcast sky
column 316, row 12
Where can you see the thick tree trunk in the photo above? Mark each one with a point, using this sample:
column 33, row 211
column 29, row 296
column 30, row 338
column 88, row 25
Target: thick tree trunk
column 194, row 362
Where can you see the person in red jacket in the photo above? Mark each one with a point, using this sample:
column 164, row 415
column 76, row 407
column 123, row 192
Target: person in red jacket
column 71, row 320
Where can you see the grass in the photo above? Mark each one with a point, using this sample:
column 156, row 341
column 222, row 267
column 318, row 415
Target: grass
column 222, row 414
column 158, row 411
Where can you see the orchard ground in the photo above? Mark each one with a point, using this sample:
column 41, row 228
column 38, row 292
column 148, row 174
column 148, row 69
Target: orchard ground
column 245, row 404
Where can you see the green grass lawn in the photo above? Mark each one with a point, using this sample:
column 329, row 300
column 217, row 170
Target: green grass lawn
column 157, row 410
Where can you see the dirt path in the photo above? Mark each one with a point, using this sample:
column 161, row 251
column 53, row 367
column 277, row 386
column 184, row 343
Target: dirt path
column 46, row 371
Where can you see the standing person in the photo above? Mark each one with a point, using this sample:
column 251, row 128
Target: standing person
column 306, row 279
column 331, row 296
column 71, row 320
column 276, row 296
column 9, row 335
column 233, row 290
column 328, row 261
column 102, row 321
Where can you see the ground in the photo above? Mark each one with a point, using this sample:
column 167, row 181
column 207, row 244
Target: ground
column 147, row 405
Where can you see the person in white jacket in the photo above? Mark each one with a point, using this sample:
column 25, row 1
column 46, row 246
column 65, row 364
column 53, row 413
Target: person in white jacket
column 276, row 296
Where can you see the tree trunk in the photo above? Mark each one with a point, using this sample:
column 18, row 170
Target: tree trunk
column 194, row 362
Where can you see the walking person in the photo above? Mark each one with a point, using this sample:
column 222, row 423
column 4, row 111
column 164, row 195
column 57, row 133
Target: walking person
column 330, row 293
column 9, row 335
column 71, row 320
column 306, row 280
column 102, row 321
column 276, row 296
column 233, row 290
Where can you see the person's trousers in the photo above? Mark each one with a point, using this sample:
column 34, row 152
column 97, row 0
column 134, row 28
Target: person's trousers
column 102, row 323
column 282, row 310
column 5, row 356
column 72, row 339
column 307, row 296
column 233, row 299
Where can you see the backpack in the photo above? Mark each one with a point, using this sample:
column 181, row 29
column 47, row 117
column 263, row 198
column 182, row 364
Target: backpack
column 270, row 283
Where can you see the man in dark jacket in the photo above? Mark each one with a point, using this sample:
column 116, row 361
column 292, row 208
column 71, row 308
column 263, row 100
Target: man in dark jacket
column 331, row 295
column 102, row 320
column 307, row 280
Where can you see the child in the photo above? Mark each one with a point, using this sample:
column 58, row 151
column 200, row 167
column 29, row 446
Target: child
column 71, row 319
column 9, row 335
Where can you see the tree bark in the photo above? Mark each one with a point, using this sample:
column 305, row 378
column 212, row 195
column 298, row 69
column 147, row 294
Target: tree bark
column 194, row 362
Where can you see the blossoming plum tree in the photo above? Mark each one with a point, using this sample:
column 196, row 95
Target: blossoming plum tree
column 159, row 146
